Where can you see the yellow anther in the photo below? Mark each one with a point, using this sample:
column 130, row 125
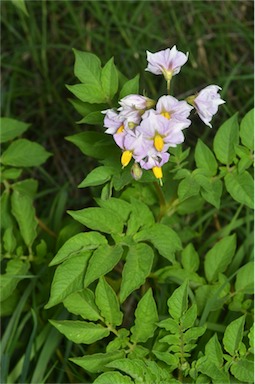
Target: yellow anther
column 158, row 142
column 166, row 114
column 158, row 173
column 125, row 158
column 120, row 129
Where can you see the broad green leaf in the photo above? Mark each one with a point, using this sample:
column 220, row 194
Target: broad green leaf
column 11, row 173
column 205, row 159
column 233, row 335
column 103, row 260
column 170, row 273
column 20, row 4
column 24, row 212
column 68, row 278
column 91, row 92
column 137, row 267
column 87, row 67
column 208, row 367
column 188, row 319
column 95, row 144
column 243, row 370
column 164, row 239
column 113, row 378
column 213, row 295
column 219, row 257
column 172, row 340
column 130, row 87
column 98, row 176
column 142, row 214
column 120, row 341
column 16, row 270
column 99, row 219
column 168, row 358
column 188, row 187
column 95, row 363
column 78, row 244
column 241, row 187
column 121, row 207
column 251, row 338
column 245, row 279
column 9, row 240
column 190, row 259
column 193, row 334
column 178, row 302
column 139, row 352
column 110, row 79
column 85, row 109
column 170, row 325
column 93, row 118
column 5, row 205
column 26, row 187
column 11, row 128
column 214, row 352
column 213, row 193
column 146, row 316
column 80, row 331
column 226, row 138
column 247, row 130
column 134, row 368
column 107, row 302
column 16, row 154
column 82, row 303
column 160, row 375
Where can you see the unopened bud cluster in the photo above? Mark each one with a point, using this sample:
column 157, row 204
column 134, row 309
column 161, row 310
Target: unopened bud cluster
column 145, row 129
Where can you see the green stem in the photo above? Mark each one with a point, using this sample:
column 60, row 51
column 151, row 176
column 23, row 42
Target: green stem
column 168, row 82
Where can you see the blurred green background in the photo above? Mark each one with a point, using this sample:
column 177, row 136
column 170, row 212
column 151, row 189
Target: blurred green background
column 37, row 61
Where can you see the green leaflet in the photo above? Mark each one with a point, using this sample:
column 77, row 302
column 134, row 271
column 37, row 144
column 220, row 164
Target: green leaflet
column 164, row 239
column 99, row 219
column 245, row 279
column 121, row 207
column 82, row 303
column 11, row 128
column 107, row 302
column 178, row 302
column 9, row 240
column 130, row 87
column 241, row 187
column 233, row 335
column 113, row 378
column 190, row 259
column 15, row 271
column 97, row 176
column 24, row 212
column 137, row 267
column 219, row 257
column 91, row 92
column 243, row 370
column 214, row 352
column 80, row 331
column 16, row 154
column 68, row 278
column 247, row 130
column 110, row 79
column 96, row 362
column 77, row 244
column 225, row 140
column 103, row 260
column 205, row 159
column 188, row 187
column 146, row 316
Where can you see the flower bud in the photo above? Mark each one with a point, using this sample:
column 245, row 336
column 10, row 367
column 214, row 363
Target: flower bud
column 136, row 171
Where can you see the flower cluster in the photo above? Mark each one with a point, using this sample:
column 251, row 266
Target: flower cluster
column 145, row 129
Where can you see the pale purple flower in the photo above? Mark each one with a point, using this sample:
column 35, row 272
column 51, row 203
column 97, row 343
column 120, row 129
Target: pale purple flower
column 136, row 102
column 112, row 121
column 161, row 132
column 207, row 103
column 167, row 62
column 171, row 108
column 154, row 159
column 131, row 118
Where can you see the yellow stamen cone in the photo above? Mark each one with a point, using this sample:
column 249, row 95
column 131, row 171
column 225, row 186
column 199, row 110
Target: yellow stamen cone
column 158, row 142
column 166, row 114
column 120, row 129
column 157, row 172
column 125, row 158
